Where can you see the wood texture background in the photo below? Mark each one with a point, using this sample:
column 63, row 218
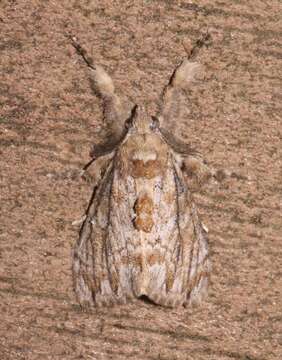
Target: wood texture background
column 48, row 121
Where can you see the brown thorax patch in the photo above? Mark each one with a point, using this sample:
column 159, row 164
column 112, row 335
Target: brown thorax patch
column 148, row 169
column 144, row 213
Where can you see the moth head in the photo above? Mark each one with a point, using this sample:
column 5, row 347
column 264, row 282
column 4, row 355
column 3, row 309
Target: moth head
column 140, row 122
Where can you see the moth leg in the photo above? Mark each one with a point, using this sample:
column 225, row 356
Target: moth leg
column 98, row 168
column 94, row 177
column 103, row 85
column 196, row 172
column 113, row 110
column 182, row 77
column 79, row 221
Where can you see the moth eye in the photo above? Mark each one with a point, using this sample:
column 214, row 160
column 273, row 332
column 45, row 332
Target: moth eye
column 155, row 123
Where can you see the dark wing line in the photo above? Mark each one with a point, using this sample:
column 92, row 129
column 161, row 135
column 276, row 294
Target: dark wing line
column 176, row 181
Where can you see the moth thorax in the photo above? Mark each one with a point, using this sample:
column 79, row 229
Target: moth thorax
column 145, row 164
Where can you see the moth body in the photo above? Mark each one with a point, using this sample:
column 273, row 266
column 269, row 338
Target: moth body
column 142, row 236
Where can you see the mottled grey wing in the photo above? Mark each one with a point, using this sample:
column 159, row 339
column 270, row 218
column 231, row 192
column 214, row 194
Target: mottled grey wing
column 178, row 264
column 194, row 241
column 104, row 256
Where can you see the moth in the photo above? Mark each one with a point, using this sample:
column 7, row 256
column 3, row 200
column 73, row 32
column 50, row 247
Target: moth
column 142, row 237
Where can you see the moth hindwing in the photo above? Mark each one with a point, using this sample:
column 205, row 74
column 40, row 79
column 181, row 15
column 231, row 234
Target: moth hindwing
column 142, row 236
